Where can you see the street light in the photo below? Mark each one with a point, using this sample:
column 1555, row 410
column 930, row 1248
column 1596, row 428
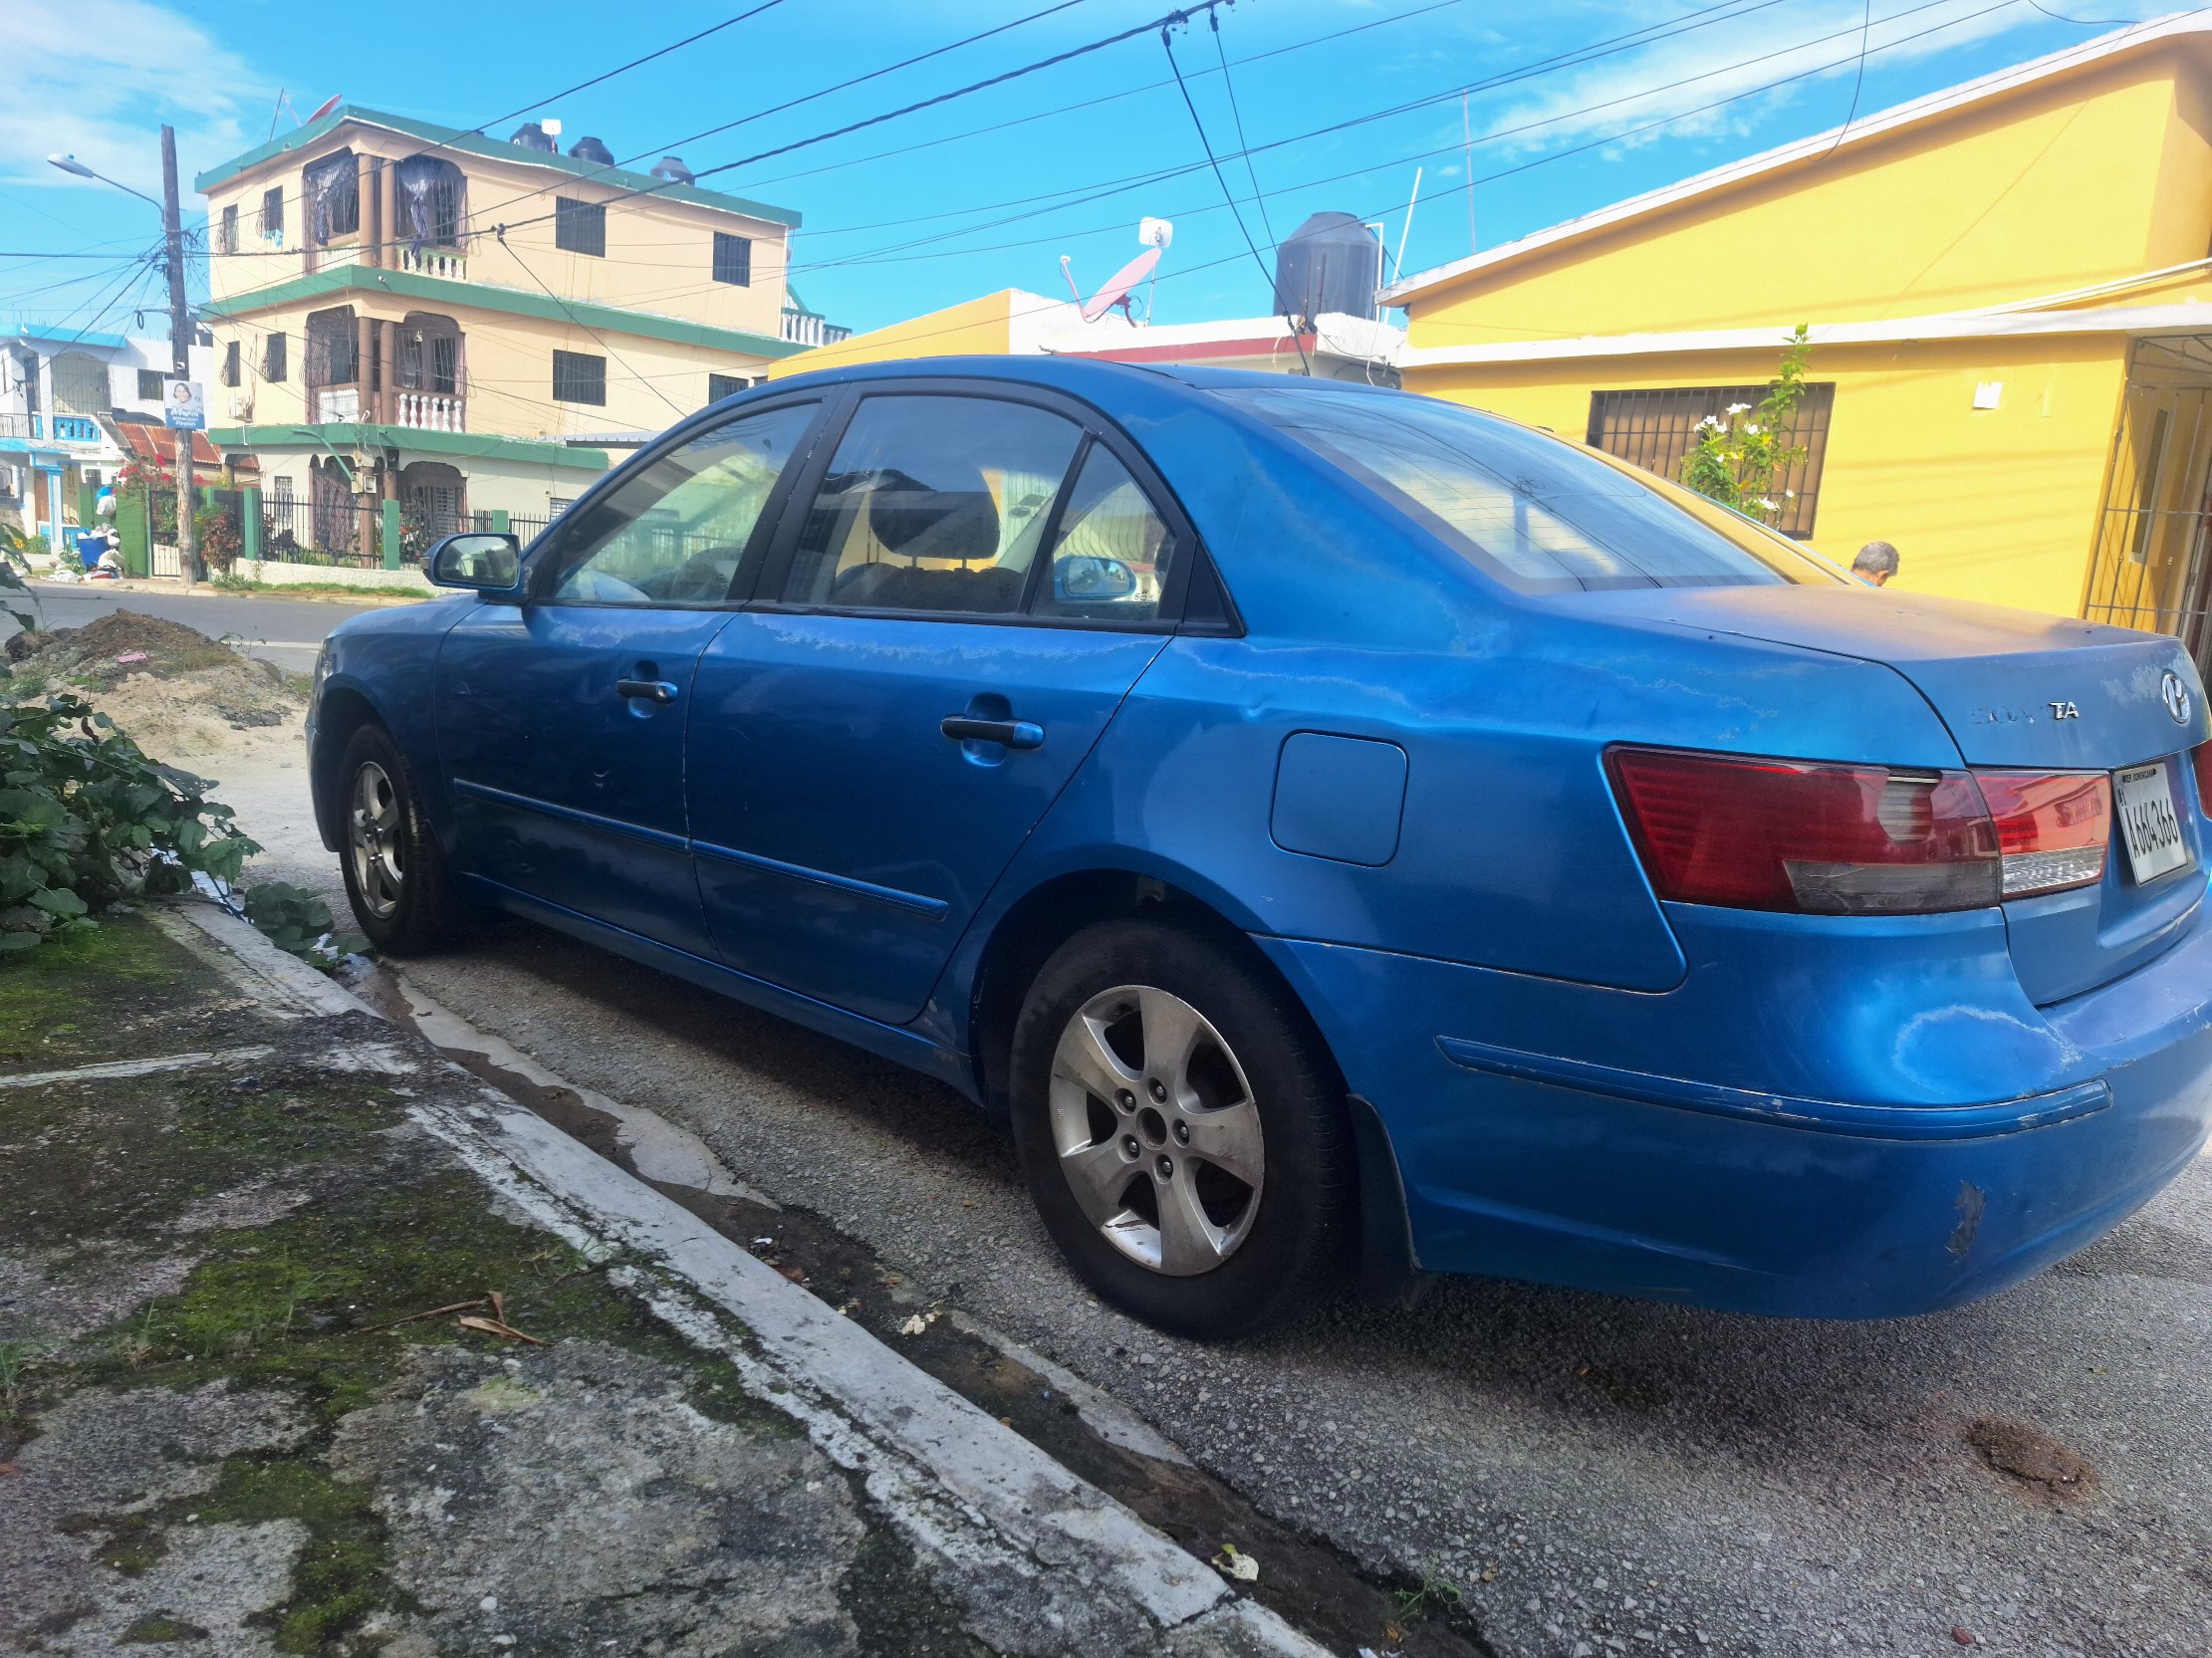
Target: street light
column 180, row 334
column 69, row 165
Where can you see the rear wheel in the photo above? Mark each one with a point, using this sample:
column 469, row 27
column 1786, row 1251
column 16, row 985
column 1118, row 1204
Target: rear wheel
column 395, row 875
column 1182, row 1134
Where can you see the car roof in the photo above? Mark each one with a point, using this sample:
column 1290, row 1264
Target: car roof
column 1105, row 385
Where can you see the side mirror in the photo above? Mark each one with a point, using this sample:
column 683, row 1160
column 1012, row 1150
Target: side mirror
column 1090, row 579
column 480, row 561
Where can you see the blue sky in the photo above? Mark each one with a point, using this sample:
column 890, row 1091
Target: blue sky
column 1575, row 103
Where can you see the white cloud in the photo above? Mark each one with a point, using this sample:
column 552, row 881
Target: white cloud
column 97, row 79
column 1804, row 43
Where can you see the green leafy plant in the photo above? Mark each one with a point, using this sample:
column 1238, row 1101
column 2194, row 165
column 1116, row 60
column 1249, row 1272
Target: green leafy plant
column 219, row 537
column 16, row 597
column 154, row 483
column 1435, row 1597
column 296, row 921
column 1739, row 458
column 86, row 820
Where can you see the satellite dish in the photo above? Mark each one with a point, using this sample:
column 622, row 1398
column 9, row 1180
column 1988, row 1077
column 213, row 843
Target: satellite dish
column 325, row 106
column 1118, row 285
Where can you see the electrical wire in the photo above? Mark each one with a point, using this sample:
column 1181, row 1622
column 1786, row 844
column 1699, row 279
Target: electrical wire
column 1865, row 29
column 577, row 322
column 625, row 69
column 1237, row 116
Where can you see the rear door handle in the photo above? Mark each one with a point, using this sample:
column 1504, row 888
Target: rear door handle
column 1015, row 734
column 653, row 690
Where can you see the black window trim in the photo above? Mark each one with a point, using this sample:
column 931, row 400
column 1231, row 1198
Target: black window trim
column 1096, row 428
column 549, row 559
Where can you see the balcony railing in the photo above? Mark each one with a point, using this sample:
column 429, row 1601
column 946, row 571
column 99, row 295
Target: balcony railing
column 59, row 428
column 431, row 412
column 334, row 402
column 437, row 262
column 805, row 329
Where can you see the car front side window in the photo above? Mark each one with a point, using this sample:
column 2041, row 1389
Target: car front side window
column 674, row 534
column 932, row 504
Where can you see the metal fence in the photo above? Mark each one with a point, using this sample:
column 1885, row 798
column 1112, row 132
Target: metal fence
column 335, row 530
column 2153, row 567
column 1655, row 429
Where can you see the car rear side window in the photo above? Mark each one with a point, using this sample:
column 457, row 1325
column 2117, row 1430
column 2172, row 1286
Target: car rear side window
column 675, row 533
column 1111, row 551
column 932, row 504
column 1538, row 514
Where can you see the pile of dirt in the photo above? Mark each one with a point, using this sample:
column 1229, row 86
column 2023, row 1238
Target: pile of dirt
column 177, row 693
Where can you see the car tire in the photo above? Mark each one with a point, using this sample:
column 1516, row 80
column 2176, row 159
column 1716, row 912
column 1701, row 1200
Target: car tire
column 1182, row 1129
column 396, row 873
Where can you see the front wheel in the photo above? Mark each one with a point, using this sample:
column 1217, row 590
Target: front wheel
column 396, row 876
column 1182, row 1133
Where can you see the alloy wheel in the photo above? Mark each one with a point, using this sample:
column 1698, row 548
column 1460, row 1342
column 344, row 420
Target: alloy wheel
column 373, row 838
column 1157, row 1133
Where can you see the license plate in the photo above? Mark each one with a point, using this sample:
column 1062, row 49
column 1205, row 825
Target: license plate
column 2148, row 822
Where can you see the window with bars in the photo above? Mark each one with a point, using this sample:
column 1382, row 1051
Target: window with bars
column 230, row 363
column 733, row 259
column 150, row 388
column 330, row 188
column 275, row 358
column 719, row 386
column 580, row 226
column 272, row 215
column 1656, row 429
column 578, row 377
column 226, row 238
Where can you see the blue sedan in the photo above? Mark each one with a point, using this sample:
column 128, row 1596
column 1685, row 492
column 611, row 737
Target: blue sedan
column 1345, row 835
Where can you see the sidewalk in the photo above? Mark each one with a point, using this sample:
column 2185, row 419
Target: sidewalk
column 310, row 1343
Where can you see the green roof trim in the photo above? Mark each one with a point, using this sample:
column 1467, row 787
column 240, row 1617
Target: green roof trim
column 358, row 435
column 476, row 144
column 444, row 291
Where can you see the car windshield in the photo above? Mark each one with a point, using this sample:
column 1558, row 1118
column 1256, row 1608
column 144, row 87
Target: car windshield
column 1535, row 513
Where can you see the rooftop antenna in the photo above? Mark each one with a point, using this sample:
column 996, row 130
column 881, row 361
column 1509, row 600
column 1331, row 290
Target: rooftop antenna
column 282, row 104
column 1156, row 234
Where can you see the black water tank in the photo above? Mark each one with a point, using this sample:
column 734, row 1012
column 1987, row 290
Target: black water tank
column 532, row 136
column 590, row 149
column 1330, row 263
column 672, row 166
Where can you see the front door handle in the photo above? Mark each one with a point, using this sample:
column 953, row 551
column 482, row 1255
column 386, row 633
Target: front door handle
column 1015, row 734
column 653, row 690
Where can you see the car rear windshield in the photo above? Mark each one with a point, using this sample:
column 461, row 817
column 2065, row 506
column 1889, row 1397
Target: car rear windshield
column 1535, row 512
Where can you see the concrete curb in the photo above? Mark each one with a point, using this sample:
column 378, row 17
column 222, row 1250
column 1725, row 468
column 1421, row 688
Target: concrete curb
column 964, row 1484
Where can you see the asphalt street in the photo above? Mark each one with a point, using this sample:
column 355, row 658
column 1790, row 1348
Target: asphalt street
column 1594, row 1475
column 287, row 632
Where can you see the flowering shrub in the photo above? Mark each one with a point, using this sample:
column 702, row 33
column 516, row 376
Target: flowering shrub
column 1739, row 459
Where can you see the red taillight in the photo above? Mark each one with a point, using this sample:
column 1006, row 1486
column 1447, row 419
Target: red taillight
column 1839, row 839
column 2204, row 779
column 2051, row 830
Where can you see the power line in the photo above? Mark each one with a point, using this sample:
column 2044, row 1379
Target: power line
column 625, row 69
column 577, row 322
column 809, row 98
column 1228, row 85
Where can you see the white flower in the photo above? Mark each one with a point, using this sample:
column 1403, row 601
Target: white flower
column 1713, row 420
column 1738, row 408
column 1764, row 505
column 1789, row 495
column 1751, row 428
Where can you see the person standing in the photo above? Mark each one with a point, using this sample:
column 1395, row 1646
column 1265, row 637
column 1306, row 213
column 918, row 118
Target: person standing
column 1876, row 564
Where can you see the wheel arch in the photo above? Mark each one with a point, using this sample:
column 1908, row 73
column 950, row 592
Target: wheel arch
column 1029, row 930
column 341, row 709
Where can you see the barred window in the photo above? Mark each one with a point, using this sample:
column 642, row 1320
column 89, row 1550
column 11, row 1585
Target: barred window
column 580, row 226
column 733, row 259
column 1656, row 429
column 578, row 377
column 330, row 188
column 274, row 359
column 230, row 363
column 226, row 239
column 719, row 386
column 150, row 388
column 272, row 215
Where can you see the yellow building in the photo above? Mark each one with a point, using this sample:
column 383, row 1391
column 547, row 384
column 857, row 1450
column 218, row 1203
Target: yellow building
column 411, row 314
column 2010, row 303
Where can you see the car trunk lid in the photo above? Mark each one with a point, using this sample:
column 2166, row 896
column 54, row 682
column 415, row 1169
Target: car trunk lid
column 2017, row 691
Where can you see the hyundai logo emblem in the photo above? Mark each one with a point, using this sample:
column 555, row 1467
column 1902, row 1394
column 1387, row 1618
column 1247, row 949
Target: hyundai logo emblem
column 2177, row 696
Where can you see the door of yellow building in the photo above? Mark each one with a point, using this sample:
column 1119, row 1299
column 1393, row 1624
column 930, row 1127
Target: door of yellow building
column 2152, row 565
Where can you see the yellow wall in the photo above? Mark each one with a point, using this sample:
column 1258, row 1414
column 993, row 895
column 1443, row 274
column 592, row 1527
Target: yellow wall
column 979, row 328
column 2073, row 181
column 660, row 252
column 1997, row 505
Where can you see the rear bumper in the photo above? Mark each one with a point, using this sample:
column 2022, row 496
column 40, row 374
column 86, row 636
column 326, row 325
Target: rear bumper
column 1647, row 1182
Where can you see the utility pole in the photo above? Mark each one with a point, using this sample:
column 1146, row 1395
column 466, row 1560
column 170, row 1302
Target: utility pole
column 180, row 352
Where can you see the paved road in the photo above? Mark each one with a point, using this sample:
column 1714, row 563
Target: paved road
column 1600, row 1476
column 288, row 631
